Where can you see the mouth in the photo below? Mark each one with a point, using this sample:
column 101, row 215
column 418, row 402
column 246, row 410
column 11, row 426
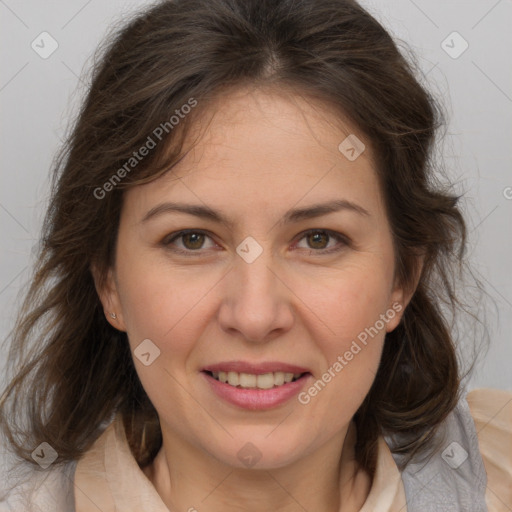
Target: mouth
column 253, row 381
column 255, row 386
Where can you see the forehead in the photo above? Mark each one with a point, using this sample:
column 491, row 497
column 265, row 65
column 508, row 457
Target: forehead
column 266, row 147
column 272, row 124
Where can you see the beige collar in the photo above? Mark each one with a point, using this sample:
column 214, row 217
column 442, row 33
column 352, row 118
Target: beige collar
column 109, row 479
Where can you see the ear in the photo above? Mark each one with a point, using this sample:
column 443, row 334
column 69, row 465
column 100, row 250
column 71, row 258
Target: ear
column 402, row 294
column 107, row 289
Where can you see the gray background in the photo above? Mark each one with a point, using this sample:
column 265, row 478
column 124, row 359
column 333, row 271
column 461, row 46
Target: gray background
column 38, row 96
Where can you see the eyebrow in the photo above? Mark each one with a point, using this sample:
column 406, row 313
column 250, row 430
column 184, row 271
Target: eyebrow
column 293, row 215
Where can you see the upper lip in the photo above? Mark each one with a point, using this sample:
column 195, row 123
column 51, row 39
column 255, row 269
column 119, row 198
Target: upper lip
column 254, row 368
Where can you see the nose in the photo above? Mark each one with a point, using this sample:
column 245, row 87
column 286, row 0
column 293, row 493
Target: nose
column 256, row 306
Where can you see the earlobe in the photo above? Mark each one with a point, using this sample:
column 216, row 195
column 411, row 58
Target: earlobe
column 395, row 310
column 402, row 295
column 107, row 290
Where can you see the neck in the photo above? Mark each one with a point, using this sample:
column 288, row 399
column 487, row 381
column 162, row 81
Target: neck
column 328, row 480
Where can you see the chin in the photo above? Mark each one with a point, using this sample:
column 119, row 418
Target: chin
column 261, row 451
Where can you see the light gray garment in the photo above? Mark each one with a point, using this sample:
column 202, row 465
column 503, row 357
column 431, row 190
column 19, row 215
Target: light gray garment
column 451, row 480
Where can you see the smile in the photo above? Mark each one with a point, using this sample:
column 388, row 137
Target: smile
column 255, row 386
column 253, row 381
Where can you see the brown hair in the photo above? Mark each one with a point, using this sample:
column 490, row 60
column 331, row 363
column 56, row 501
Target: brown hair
column 80, row 372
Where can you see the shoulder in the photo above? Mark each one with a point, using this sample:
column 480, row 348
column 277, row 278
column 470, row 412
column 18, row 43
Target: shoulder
column 491, row 410
column 26, row 489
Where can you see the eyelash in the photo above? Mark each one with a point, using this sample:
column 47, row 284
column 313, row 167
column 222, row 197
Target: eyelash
column 168, row 240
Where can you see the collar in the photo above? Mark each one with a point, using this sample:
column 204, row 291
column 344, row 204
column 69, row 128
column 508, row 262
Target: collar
column 108, row 478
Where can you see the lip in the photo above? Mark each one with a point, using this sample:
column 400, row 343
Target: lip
column 254, row 368
column 255, row 399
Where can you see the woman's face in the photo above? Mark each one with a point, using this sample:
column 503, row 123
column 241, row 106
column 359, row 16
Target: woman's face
column 297, row 280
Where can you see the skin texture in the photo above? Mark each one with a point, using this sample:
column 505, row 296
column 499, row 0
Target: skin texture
column 262, row 153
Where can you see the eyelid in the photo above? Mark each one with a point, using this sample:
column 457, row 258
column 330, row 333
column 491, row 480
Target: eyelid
column 168, row 239
column 340, row 237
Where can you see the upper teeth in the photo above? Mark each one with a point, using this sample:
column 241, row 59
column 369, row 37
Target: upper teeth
column 248, row 380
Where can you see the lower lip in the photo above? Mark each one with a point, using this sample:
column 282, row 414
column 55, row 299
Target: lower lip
column 256, row 399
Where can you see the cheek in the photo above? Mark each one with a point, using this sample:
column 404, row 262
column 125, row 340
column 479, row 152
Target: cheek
column 349, row 300
column 353, row 310
column 163, row 304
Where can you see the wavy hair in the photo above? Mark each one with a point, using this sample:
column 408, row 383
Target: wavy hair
column 74, row 371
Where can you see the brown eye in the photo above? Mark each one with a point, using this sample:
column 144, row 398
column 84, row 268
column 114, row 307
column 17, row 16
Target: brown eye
column 318, row 241
column 187, row 242
column 193, row 240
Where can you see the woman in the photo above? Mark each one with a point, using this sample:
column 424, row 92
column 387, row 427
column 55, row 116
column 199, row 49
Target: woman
column 243, row 294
